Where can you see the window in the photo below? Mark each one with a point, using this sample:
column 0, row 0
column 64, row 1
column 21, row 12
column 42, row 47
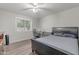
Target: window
column 23, row 24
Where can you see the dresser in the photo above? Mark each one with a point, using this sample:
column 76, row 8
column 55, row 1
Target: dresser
column 39, row 34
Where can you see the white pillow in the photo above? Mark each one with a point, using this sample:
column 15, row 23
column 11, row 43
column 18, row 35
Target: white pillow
column 58, row 34
column 69, row 35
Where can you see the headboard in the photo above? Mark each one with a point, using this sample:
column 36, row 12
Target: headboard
column 68, row 30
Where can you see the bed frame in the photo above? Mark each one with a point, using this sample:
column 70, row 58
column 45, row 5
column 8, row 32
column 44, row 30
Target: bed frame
column 43, row 49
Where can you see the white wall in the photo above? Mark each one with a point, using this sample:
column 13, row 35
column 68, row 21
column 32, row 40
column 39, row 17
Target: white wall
column 68, row 18
column 7, row 25
column 36, row 23
column 47, row 23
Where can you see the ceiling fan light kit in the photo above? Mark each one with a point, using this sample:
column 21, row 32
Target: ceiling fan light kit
column 35, row 4
column 35, row 7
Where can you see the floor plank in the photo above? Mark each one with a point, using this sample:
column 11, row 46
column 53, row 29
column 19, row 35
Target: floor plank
column 19, row 48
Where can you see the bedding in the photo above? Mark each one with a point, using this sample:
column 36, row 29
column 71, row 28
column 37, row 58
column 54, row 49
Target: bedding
column 58, row 34
column 69, row 35
column 67, row 45
column 66, row 31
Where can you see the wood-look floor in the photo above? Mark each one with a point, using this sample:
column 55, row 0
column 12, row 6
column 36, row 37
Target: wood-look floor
column 19, row 48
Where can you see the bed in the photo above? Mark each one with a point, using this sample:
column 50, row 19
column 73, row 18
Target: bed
column 63, row 41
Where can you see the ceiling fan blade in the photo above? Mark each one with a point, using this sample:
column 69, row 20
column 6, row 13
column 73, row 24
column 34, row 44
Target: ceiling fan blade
column 37, row 4
column 32, row 4
column 28, row 5
column 26, row 9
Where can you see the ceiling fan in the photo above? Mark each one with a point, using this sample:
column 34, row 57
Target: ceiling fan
column 35, row 7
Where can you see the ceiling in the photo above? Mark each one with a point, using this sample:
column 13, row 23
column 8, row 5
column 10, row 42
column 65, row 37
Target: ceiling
column 45, row 8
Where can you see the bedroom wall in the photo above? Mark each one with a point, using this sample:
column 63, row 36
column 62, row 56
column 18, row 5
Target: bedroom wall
column 68, row 18
column 36, row 23
column 7, row 26
column 47, row 23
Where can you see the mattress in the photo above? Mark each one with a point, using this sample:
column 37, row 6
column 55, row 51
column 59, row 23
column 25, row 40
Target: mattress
column 64, row 44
